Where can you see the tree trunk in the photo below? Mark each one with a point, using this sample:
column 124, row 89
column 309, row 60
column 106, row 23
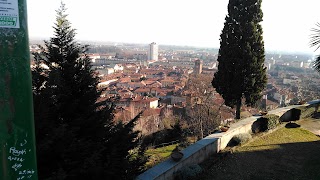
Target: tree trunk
column 201, row 128
column 238, row 109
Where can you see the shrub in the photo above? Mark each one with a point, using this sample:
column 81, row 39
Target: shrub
column 265, row 123
column 242, row 138
column 306, row 111
column 292, row 125
column 164, row 136
column 298, row 113
column 188, row 172
column 272, row 122
column 154, row 160
column 291, row 115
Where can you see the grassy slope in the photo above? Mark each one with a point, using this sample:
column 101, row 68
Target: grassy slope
column 159, row 154
column 283, row 154
column 281, row 136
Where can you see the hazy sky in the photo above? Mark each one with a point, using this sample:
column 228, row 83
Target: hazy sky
column 286, row 25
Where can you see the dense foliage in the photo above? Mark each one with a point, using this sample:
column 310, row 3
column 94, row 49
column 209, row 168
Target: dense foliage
column 76, row 135
column 265, row 123
column 241, row 72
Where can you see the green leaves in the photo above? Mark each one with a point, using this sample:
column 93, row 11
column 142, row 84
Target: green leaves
column 241, row 54
column 75, row 135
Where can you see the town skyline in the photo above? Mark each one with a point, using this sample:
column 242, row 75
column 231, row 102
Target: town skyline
column 287, row 24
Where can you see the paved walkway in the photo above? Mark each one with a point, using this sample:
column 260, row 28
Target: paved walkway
column 311, row 124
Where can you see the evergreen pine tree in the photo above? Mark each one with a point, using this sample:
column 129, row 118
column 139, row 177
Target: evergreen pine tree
column 241, row 72
column 76, row 136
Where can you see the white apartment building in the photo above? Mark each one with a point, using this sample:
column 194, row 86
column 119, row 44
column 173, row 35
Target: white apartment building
column 153, row 52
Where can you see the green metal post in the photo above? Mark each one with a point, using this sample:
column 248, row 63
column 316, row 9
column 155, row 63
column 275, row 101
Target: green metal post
column 17, row 137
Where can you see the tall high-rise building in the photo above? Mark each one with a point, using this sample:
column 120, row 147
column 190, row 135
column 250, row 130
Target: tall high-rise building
column 153, row 52
column 198, row 66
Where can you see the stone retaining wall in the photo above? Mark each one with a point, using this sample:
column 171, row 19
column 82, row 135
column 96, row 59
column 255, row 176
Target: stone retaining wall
column 201, row 150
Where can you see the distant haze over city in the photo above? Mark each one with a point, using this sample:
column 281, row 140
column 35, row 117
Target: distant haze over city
column 287, row 24
column 269, row 53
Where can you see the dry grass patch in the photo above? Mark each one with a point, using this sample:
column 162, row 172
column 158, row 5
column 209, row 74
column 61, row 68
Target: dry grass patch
column 281, row 136
column 283, row 154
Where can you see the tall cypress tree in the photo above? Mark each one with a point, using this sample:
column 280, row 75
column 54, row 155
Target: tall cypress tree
column 241, row 72
column 76, row 136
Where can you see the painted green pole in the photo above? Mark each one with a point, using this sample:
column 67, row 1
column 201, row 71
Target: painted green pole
column 17, row 136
